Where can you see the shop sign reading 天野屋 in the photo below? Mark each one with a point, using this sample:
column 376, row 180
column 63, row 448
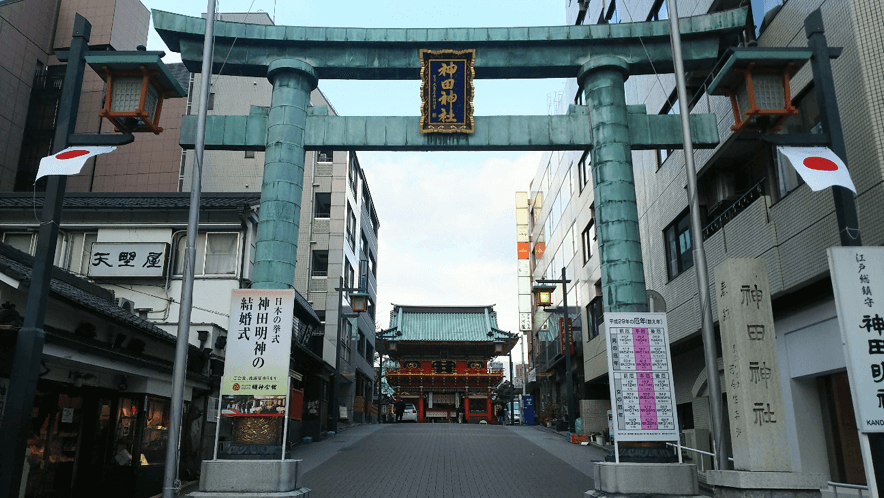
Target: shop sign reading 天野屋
column 447, row 91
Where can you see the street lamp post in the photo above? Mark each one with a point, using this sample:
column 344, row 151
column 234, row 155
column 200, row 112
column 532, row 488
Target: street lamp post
column 569, row 381
column 512, row 404
column 26, row 360
column 336, row 387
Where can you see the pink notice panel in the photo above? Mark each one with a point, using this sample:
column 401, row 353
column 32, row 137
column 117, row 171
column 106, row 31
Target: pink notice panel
column 642, row 391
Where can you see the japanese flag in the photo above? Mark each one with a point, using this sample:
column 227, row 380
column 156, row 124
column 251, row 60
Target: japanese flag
column 69, row 161
column 819, row 167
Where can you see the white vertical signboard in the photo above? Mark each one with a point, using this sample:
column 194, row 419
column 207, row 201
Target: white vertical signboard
column 858, row 280
column 640, row 373
column 259, row 342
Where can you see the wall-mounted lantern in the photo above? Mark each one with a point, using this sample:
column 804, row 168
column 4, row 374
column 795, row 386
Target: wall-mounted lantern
column 757, row 82
column 137, row 84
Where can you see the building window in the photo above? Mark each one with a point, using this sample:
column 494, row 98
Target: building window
column 670, row 107
column 346, row 340
column 584, row 170
column 324, row 156
column 609, row 15
column 80, row 251
column 372, row 264
column 364, row 247
column 595, row 317
column 211, row 106
column 685, row 413
column 350, row 276
column 322, row 205
column 659, row 11
column 806, row 121
column 679, row 253
column 360, row 344
column 24, row 242
column 758, row 11
column 249, row 154
column 353, row 173
column 320, row 263
column 215, row 254
column 351, row 228
column 587, row 237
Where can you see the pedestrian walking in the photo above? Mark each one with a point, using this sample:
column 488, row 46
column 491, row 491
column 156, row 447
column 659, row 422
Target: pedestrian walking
column 400, row 409
column 460, row 414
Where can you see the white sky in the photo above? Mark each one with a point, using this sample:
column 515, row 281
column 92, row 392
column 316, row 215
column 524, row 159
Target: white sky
column 447, row 234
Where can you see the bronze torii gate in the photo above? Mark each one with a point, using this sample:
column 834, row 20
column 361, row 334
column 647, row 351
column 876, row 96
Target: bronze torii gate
column 601, row 56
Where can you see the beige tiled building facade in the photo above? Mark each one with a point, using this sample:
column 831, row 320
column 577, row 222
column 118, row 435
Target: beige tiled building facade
column 752, row 204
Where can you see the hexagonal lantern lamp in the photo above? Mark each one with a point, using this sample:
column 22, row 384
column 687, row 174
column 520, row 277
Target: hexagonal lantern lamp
column 543, row 294
column 757, row 82
column 358, row 301
column 137, row 84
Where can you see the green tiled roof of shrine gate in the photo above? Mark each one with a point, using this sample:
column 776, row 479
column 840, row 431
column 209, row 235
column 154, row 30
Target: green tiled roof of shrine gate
column 445, row 324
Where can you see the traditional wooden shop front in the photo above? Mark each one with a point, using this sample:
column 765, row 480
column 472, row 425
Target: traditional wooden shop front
column 442, row 356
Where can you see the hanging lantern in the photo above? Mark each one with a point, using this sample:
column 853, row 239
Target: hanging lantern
column 358, row 301
column 757, row 82
column 543, row 294
column 137, row 84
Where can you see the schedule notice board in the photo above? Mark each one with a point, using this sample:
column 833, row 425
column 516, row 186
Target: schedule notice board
column 640, row 373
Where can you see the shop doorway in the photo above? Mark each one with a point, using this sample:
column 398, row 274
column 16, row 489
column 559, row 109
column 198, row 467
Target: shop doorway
column 69, row 437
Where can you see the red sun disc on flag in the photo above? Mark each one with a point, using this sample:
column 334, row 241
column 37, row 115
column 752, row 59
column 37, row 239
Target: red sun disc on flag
column 72, row 154
column 820, row 164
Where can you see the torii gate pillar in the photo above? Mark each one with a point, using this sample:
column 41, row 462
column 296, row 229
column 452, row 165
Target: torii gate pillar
column 620, row 253
column 276, row 246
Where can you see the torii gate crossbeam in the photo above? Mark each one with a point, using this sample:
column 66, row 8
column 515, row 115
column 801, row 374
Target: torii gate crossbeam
column 602, row 57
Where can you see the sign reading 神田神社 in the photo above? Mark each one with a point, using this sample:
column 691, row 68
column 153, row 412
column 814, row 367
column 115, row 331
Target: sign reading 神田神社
column 858, row 279
column 447, row 91
column 640, row 375
column 259, row 342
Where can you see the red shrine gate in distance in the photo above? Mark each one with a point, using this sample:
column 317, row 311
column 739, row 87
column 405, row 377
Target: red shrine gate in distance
column 442, row 356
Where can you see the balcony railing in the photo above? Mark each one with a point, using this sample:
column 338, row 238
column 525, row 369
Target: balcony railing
column 734, row 209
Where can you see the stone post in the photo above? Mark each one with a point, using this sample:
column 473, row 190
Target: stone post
column 276, row 245
column 762, row 455
column 620, row 253
column 752, row 376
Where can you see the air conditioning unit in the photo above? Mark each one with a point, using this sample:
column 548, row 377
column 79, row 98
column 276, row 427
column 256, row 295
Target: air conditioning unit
column 126, row 304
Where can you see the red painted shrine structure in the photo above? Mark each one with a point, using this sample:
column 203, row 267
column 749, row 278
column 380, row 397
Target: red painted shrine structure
column 441, row 356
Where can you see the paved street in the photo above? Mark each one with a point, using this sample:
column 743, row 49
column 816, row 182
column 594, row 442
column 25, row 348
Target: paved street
column 447, row 460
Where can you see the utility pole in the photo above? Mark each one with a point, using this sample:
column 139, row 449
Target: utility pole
column 569, row 381
column 179, row 368
column 707, row 330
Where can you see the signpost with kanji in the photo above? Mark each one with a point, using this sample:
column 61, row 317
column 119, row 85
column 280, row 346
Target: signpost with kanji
column 259, row 342
column 858, row 281
column 752, row 377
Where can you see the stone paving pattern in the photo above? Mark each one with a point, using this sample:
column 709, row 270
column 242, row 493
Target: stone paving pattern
column 442, row 460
